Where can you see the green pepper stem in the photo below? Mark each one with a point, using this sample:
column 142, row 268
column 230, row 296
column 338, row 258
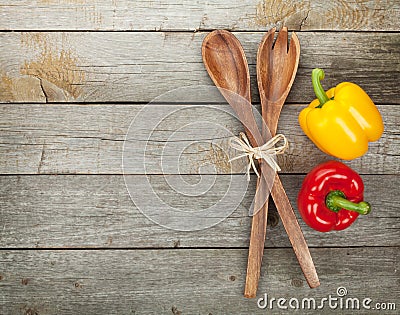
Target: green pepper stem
column 336, row 200
column 316, row 77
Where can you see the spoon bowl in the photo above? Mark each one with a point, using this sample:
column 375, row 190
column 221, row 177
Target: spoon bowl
column 226, row 63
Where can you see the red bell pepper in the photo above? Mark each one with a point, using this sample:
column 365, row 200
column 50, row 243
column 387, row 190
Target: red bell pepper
column 331, row 197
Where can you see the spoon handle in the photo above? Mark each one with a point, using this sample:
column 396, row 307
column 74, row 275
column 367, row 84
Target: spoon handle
column 294, row 232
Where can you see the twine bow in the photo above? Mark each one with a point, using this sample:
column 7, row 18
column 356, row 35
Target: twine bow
column 267, row 151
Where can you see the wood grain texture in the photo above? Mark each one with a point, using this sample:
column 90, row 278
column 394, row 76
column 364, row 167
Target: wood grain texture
column 87, row 211
column 77, row 244
column 364, row 15
column 227, row 66
column 139, row 66
column 181, row 282
column 87, row 139
column 295, row 234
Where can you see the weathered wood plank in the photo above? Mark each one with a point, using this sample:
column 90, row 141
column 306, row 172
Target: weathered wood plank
column 96, row 211
column 139, row 66
column 366, row 15
column 86, row 139
column 188, row 281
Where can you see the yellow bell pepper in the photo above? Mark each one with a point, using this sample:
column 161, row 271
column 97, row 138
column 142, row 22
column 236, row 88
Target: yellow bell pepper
column 341, row 121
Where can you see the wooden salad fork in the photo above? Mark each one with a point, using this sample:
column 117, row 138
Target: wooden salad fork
column 227, row 66
column 276, row 69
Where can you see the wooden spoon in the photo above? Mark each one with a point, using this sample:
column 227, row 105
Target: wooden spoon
column 276, row 70
column 226, row 63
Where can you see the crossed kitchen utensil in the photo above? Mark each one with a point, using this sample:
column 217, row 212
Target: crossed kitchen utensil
column 277, row 63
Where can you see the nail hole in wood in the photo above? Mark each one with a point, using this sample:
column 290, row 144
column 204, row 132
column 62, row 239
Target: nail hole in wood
column 298, row 283
column 273, row 219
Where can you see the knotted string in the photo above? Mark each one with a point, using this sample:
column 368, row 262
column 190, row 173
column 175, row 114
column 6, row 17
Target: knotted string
column 267, row 151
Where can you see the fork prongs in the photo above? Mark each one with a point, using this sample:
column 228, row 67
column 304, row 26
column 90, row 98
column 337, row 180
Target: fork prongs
column 281, row 43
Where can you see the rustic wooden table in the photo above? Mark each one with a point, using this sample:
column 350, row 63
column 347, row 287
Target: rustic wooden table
column 74, row 73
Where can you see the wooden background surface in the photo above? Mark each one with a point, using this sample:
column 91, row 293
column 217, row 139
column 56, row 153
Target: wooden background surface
column 73, row 75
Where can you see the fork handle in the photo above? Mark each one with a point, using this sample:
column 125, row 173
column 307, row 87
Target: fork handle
column 258, row 234
column 256, row 247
